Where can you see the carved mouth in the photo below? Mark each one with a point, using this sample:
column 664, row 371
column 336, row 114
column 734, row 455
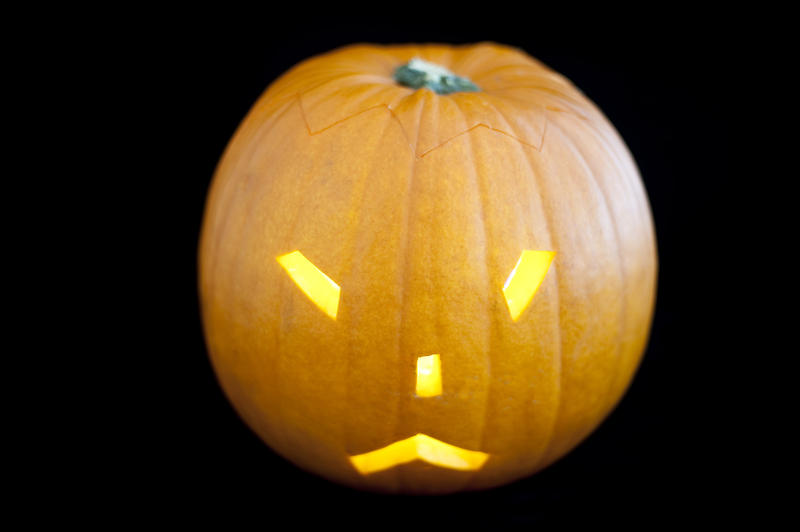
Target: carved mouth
column 419, row 447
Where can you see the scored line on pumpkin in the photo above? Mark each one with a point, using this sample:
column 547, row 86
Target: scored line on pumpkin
column 476, row 126
column 337, row 122
column 405, row 133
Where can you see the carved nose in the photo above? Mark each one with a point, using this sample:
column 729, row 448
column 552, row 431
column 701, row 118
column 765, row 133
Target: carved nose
column 429, row 376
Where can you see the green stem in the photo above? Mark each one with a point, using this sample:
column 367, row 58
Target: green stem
column 418, row 74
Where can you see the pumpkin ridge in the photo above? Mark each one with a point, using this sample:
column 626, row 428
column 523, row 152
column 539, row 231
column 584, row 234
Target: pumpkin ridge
column 549, row 107
column 526, row 158
column 359, row 113
column 554, row 93
column 379, row 94
column 537, row 70
column 229, row 189
column 338, row 77
column 336, row 123
column 405, row 256
column 481, row 193
column 508, row 125
column 233, row 191
column 351, row 258
column 279, row 382
column 634, row 191
column 536, row 464
column 303, row 113
column 574, row 148
column 469, row 129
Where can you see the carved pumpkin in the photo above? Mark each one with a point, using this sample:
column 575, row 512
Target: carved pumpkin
column 425, row 289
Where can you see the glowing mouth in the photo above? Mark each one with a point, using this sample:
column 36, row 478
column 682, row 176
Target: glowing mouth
column 419, row 447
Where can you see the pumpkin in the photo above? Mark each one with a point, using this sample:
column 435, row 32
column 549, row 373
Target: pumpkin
column 425, row 268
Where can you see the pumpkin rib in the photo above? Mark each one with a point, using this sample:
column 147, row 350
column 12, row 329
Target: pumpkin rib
column 619, row 163
column 316, row 179
column 519, row 139
column 279, row 381
column 590, row 176
column 558, row 96
column 405, row 256
column 369, row 177
column 367, row 78
column 229, row 187
column 553, row 238
column 609, row 139
column 465, row 59
column 510, row 127
column 303, row 113
column 498, row 68
column 237, row 190
column 606, row 408
column 261, row 363
column 487, row 239
column 481, row 201
column 403, row 129
column 540, row 88
column 637, row 195
column 544, row 459
column 447, row 141
column 333, row 124
column 391, row 111
column 550, row 236
column 249, row 199
column 309, row 72
column 447, row 57
column 470, row 130
column 368, row 92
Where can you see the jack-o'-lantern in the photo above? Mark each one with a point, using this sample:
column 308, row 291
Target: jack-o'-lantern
column 425, row 268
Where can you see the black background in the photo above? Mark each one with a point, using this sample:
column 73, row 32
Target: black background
column 663, row 79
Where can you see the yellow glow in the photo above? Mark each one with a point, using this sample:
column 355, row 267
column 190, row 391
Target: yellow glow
column 525, row 279
column 316, row 285
column 419, row 447
column 429, row 376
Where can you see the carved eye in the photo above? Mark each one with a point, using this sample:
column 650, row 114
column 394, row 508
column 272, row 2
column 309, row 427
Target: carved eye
column 525, row 279
column 319, row 288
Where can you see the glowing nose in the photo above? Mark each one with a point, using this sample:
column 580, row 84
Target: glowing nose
column 429, row 376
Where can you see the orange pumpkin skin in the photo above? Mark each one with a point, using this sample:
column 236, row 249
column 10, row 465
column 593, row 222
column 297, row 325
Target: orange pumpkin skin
column 418, row 206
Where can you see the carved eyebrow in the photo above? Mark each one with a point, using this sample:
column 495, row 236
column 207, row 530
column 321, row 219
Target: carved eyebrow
column 525, row 279
column 319, row 288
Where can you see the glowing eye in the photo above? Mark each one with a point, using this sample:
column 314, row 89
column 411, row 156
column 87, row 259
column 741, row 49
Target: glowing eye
column 525, row 279
column 316, row 285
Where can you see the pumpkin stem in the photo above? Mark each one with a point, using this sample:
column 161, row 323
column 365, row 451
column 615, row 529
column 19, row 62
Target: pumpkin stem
column 418, row 74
